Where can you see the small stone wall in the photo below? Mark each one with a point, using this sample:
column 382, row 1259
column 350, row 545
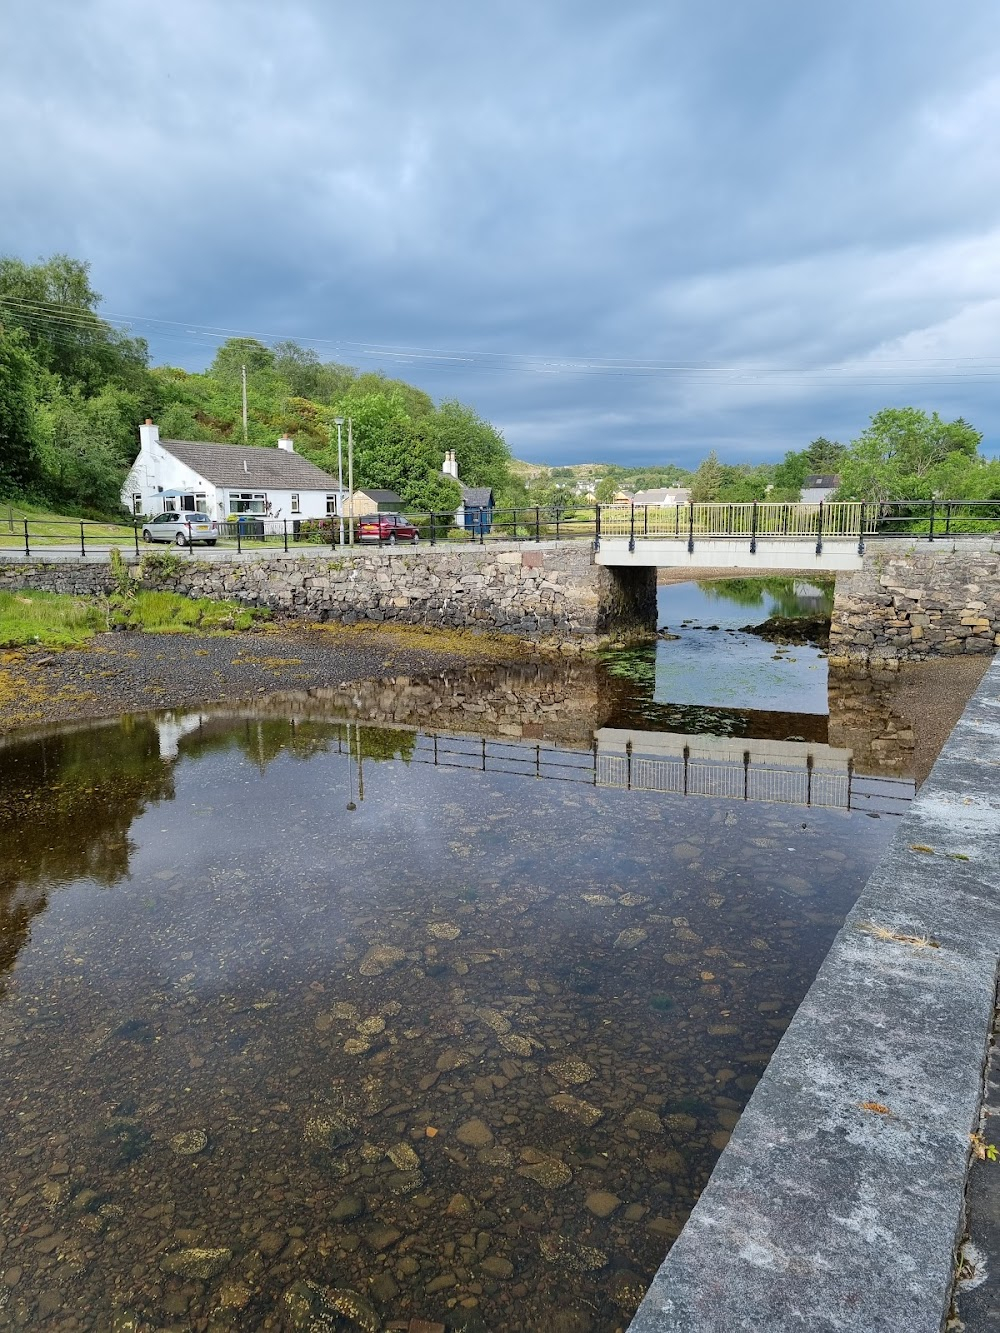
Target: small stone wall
column 537, row 592
column 913, row 602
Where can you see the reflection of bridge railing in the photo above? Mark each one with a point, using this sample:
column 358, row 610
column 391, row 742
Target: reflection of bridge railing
column 784, row 773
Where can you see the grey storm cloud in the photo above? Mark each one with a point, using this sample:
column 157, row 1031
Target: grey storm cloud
column 626, row 232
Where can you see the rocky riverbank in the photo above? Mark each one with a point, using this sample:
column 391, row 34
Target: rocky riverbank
column 119, row 673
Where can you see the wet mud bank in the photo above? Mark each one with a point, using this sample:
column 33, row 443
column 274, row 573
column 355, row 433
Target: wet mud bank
column 839, row 1201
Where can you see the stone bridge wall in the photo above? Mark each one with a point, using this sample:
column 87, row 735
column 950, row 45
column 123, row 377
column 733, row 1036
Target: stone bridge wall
column 541, row 592
column 910, row 602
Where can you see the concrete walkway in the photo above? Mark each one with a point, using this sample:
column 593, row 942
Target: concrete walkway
column 840, row 1200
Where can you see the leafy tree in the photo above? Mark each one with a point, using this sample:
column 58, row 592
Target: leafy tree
column 482, row 453
column 235, row 353
column 54, row 305
column 897, row 456
column 19, row 463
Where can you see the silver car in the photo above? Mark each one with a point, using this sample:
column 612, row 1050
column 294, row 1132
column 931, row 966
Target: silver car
column 181, row 529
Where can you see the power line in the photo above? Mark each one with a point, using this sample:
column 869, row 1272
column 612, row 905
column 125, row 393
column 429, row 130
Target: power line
column 46, row 317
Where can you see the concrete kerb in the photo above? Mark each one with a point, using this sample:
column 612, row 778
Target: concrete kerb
column 839, row 1200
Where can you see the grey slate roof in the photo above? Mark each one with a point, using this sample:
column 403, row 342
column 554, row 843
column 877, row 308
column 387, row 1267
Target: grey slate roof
column 816, row 483
column 222, row 465
column 477, row 497
column 379, row 496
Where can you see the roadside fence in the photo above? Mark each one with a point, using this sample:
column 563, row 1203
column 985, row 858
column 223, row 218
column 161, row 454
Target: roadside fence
column 753, row 522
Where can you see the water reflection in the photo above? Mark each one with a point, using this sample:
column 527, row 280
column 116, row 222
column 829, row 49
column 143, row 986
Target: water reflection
column 440, row 994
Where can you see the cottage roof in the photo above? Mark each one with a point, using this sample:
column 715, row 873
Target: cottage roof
column 380, row 496
column 477, row 497
column 827, row 482
column 223, row 465
column 662, row 495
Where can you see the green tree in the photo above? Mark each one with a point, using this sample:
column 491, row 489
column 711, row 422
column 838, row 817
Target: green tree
column 823, row 457
column 482, row 452
column 54, row 305
column 19, row 464
column 897, row 455
column 707, row 481
column 235, row 353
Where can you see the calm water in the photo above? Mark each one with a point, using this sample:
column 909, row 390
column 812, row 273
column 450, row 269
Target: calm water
column 302, row 1015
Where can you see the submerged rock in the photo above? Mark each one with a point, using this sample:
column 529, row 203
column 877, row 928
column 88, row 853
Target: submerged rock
column 380, row 958
column 571, row 1071
column 576, row 1108
column 475, row 1133
column 551, row 1174
column 189, row 1142
column 198, row 1262
column 630, row 938
column 353, row 1307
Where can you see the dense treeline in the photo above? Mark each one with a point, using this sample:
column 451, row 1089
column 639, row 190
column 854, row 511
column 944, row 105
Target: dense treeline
column 73, row 389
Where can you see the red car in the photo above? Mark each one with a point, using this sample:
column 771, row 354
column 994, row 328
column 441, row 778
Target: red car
column 391, row 528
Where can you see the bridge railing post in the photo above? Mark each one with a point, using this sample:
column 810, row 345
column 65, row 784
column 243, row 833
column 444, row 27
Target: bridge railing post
column 538, row 531
column 753, row 529
column 597, row 527
column 864, row 525
column 819, row 530
column 631, row 528
column 83, row 541
column 930, row 534
column 690, row 526
column 947, row 519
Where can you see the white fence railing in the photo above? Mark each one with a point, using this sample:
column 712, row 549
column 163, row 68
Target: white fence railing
column 763, row 519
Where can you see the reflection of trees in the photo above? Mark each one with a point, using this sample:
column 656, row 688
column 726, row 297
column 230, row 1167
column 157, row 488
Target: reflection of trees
column 262, row 740
column 788, row 602
column 67, row 802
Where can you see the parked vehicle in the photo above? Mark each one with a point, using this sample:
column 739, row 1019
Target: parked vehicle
column 181, row 529
column 389, row 528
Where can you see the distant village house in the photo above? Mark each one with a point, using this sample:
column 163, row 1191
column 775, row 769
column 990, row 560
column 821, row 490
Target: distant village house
column 818, row 489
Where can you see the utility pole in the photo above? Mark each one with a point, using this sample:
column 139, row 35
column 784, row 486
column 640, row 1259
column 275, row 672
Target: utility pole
column 350, row 477
column 340, row 478
column 243, row 377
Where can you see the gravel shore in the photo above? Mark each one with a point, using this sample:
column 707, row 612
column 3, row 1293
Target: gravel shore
column 118, row 673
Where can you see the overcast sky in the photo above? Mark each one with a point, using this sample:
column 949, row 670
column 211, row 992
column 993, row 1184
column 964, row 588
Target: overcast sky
column 627, row 232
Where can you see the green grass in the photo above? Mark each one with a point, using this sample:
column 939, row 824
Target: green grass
column 57, row 620
column 47, row 528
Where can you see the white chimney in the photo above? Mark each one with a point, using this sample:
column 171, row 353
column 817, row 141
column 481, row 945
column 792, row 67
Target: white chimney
column 287, row 443
column 148, row 436
column 450, row 465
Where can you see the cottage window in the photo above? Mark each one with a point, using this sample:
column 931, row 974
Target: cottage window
column 137, row 505
column 296, row 508
column 247, row 502
column 331, row 504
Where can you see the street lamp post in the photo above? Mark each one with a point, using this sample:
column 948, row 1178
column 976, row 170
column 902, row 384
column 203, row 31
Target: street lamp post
column 339, row 421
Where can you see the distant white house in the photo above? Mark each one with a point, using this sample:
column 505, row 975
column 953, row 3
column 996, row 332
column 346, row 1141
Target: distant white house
column 664, row 496
column 225, row 479
column 817, row 489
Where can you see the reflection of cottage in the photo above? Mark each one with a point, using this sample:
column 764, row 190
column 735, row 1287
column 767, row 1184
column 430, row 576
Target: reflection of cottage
column 476, row 510
column 817, row 489
column 373, row 501
column 225, row 479
column 663, row 496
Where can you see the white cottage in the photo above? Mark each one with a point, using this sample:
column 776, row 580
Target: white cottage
column 224, row 480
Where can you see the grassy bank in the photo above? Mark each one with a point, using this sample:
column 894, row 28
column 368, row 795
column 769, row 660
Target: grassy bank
column 58, row 620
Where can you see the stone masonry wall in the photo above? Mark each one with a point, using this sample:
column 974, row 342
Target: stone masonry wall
column 535, row 593
column 912, row 602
